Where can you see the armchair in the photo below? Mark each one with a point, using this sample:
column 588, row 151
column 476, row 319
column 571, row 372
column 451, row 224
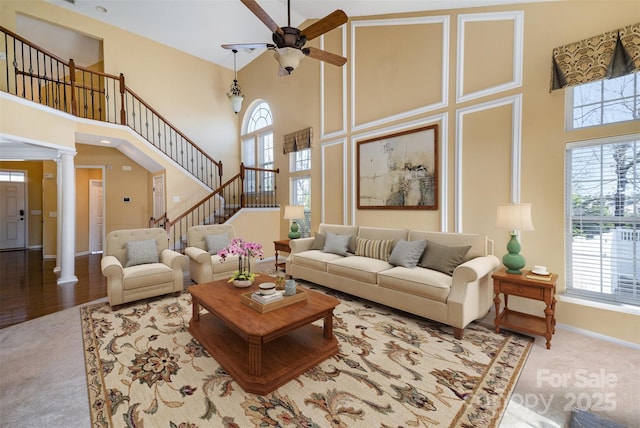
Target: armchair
column 203, row 243
column 139, row 264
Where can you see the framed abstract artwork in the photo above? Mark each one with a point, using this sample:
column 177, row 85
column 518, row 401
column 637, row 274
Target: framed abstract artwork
column 399, row 171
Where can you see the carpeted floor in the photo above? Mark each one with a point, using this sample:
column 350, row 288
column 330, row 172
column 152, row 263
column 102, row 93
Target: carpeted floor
column 144, row 368
column 43, row 382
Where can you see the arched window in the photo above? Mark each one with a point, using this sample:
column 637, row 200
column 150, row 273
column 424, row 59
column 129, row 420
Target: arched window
column 257, row 148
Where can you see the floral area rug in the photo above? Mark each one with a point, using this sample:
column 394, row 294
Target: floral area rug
column 145, row 369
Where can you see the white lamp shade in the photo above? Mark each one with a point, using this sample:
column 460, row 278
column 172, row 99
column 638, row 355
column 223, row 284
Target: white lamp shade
column 288, row 58
column 293, row 212
column 236, row 102
column 514, row 217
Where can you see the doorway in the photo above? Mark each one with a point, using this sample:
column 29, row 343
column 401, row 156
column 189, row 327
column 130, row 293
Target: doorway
column 158, row 196
column 96, row 216
column 12, row 210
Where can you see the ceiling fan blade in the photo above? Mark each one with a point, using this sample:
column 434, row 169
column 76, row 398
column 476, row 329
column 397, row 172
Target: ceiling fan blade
column 251, row 46
column 263, row 16
column 325, row 56
column 328, row 23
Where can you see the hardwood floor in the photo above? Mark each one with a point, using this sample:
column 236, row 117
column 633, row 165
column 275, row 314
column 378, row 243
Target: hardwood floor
column 28, row 287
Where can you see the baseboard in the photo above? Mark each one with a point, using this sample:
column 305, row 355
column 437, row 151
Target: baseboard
column 599, row 336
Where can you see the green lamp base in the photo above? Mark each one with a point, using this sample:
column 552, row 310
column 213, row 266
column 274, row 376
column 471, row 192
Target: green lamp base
column 513, row 260
column 294, row 234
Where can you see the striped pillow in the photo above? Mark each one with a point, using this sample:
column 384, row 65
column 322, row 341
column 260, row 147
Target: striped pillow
column 375, row 249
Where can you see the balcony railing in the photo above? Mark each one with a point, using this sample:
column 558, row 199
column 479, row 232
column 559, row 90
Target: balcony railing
column 32, row 73
column 238, row 192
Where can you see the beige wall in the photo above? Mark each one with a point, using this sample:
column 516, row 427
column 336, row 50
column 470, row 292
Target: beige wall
column 118, row 183
column 388, row 89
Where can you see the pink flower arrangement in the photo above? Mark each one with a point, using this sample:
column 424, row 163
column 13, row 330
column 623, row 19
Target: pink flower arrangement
column 244, row 250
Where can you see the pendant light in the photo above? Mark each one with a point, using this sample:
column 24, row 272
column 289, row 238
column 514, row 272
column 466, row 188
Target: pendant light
column 235, row 95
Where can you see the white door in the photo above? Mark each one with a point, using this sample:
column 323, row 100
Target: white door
column 96, row 216
column 158, row 196
column 12, row 215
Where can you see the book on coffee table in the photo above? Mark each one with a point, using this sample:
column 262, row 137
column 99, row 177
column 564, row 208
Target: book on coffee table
column 260, row 298
column 247, row 299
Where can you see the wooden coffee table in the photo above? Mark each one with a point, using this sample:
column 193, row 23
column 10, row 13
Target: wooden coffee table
column 262, row 351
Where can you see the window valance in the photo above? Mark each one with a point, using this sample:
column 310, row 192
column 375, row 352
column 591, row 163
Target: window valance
column 609, row 55
column 298, row 140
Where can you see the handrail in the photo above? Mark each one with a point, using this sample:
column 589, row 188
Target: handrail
column 97, row 95
column 43, row 77
column 224, row 202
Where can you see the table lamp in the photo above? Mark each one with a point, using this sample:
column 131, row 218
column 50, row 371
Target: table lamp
column 514, row 217
column 294, row 212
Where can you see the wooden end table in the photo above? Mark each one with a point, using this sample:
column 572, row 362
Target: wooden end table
column 282, row 245
column 262, row 351
column 537, row 289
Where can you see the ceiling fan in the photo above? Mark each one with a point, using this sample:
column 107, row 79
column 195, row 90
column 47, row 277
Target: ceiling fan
column 288, row 42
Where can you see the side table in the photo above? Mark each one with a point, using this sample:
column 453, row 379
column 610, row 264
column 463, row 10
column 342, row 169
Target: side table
column 523, row 286
column 282, row 245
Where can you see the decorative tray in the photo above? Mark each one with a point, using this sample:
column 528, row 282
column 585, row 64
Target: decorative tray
column 300, row 296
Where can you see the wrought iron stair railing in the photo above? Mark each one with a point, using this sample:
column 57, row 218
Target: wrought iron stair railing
column 37, row 75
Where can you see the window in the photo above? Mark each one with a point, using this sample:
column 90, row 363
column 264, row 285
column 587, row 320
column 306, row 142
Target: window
column 605, row 101
column 603, row 219
column 257, row 149
column 301, row 160
column 300, row 165
column 12, row 176
column 301, row 195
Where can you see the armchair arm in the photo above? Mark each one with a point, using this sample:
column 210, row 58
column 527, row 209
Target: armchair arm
column 111, row 267
column 301, row 244
column 197, row 254
column 172, row 259
column 470, row 295
column 474, row 269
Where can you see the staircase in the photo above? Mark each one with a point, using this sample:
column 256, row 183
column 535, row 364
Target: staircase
column 39, row 76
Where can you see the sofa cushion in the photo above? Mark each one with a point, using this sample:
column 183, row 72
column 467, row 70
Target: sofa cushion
column 318, row 241
column 374, row 248
column 442, row 257
column 363, row 269
column 314, row 259
column 407, row 253
column 216, row 242
column 142, row 252
column 421, row 282
column 336, row 244
column 150, row 274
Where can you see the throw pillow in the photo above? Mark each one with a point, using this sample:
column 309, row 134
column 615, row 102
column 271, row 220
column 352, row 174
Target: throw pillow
column 407, row 253
column 443, row 258
column 216, row 242
column 336, row 244
column 373, row 248
column 318, row 242
column 142, row 252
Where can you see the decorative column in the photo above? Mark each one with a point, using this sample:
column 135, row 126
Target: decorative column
column 66, row 218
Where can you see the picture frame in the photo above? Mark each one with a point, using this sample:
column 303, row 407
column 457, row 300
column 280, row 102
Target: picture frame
column 399, row 171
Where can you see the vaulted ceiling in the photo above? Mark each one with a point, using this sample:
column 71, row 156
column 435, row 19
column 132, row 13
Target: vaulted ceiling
column 199, row 27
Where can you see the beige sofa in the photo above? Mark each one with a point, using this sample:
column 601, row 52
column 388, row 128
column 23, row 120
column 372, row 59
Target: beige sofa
column 205, row 266
column 139, row 264
column 456, row 300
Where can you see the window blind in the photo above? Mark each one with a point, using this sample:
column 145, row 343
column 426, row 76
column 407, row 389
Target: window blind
column 298, row 140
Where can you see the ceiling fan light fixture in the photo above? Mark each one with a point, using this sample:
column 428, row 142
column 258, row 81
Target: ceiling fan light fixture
column 235, row 94
column 288, row 58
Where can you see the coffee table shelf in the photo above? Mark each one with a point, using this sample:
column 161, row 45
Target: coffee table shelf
column 262, row 351
column 303, row 349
